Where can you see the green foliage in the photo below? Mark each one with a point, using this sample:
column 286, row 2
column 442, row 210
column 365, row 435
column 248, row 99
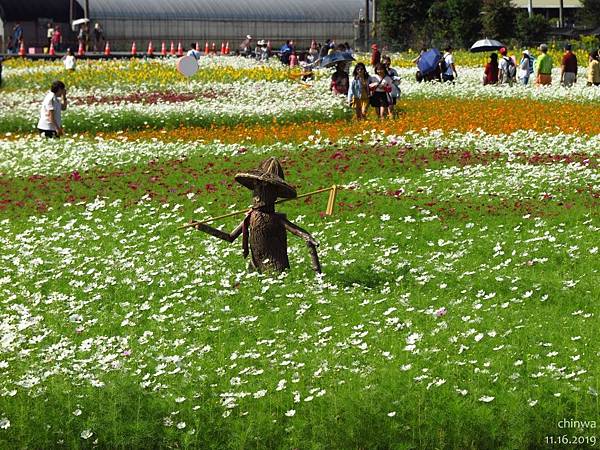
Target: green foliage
column 402, row 21
column 427, row 23
column 531, row 30
column 465, row 24
column 498, row 18
column 590, row 12
column 589, row 43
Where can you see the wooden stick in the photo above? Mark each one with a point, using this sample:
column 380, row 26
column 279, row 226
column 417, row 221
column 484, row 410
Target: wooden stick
column 242, row 211
column 331, row 200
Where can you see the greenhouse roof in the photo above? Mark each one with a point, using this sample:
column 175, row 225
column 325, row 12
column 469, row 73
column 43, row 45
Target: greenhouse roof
column 241, row 10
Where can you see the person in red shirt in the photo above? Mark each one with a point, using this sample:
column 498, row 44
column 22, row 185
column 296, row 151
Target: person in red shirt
column 568, row 67
column 375, row 55
column 56, row 38
column 491, row 70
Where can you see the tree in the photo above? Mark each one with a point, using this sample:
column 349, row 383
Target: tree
column 498, row 19
column 465, row 25
column 402, row 21
column 531, row 30
column 590, row 12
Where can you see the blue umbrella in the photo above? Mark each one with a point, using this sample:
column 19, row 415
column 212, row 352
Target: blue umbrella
column 429, row 61
column 336, row 57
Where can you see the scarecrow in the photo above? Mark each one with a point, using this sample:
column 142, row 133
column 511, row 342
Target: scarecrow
column 264, row 231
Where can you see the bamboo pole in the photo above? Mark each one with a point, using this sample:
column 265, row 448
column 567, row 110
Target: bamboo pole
column 329, row 210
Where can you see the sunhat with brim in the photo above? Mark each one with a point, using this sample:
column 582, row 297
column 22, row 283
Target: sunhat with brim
column 270, row 172
column 261, row 42
column 526, row 52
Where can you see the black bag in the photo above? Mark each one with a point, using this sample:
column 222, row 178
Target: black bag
column 443, row 65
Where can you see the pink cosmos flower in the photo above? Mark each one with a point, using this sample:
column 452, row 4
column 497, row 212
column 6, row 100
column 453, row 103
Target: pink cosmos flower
column 441, row 312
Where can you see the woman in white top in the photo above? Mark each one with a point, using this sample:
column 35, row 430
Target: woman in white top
column 69, row 60
column 50, row 123
column 380, row 87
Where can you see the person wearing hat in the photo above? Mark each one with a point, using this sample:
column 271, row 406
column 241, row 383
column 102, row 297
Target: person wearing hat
column 264, row 232
column 525, row 67
column 543, row 67
column 246, row 46
column 261, row 52
column 568, row 67
column 507, row 68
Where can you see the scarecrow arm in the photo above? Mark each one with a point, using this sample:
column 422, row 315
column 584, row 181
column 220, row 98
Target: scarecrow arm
column 229, row 237
column 310, row 243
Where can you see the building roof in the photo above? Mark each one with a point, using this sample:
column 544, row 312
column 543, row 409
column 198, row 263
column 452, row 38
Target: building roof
column 239, row 10
column 547, row 3
column 13, row 10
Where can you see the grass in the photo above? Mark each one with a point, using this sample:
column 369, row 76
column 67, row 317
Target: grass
column 126, row 261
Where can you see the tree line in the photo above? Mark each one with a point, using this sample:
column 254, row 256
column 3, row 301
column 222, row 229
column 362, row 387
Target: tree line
column 416, row 23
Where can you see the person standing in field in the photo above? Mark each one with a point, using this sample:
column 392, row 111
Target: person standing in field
column 568, row 67
column 393, row 74
column 490, row 73
column 69, row 60
column 17, row 36
column 57, row 38
column 358, row 94
column 193, row 51
column 593, row 74
column 543, row 67
column 380, row 86
column 525, row 67
column 375, row 55
column 50, row 123
column 508, row 69
column 49, row 33
column 98, row 35
column 448, row 67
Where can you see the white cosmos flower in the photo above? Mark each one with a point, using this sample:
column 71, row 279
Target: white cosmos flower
column 486, row 399
column 86, row 434
column 290, row 413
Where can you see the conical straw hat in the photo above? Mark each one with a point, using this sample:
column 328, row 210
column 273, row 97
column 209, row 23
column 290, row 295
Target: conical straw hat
column 271, row 172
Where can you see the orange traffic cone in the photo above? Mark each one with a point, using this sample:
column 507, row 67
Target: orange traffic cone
column 133, row 49
column 22, row 49
column 107, row 49
column 150, row 51
column 172, row 49
column 213, row 49
column 222, row 48
column 179, row 49
column 206, row 48
column 51, row 51
column 163, row 49
column 227, row 48
column 81, row 50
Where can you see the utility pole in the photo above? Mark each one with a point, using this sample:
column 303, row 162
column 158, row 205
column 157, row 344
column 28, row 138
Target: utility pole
column 561, row 22
column 367, row 25
column 375, row 34
column 530, row 8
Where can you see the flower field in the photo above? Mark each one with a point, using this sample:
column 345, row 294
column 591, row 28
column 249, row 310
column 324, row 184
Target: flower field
column 459, row 301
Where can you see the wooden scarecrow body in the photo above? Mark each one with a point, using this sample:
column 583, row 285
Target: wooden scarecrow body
column 264, row 231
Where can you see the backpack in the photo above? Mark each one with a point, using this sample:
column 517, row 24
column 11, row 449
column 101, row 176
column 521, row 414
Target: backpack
column 443, row 64
column 511, row 68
